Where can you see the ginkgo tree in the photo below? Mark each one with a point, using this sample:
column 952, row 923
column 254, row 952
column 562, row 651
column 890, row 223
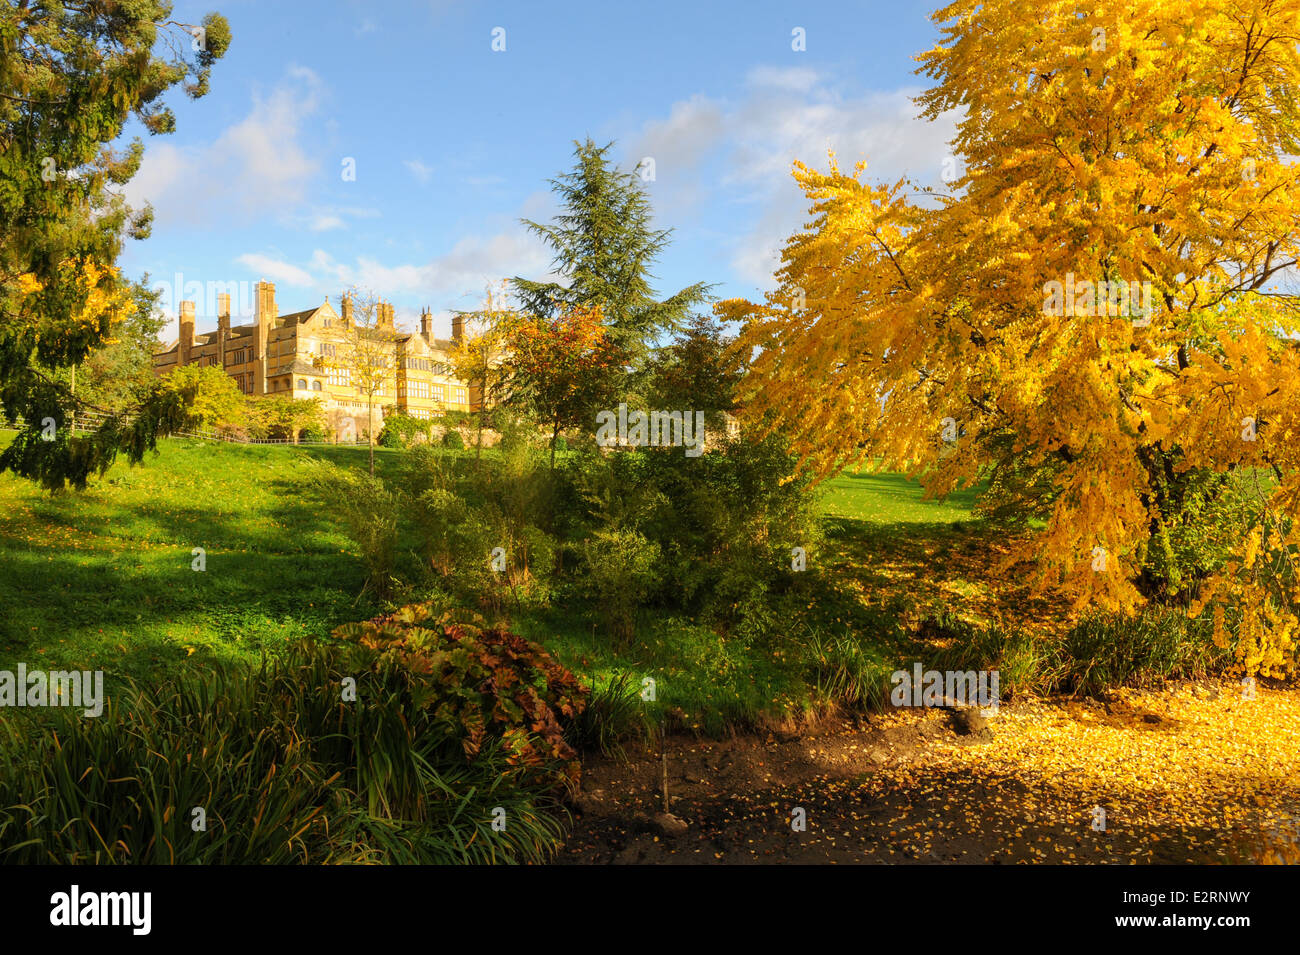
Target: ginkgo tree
column 1099, row 299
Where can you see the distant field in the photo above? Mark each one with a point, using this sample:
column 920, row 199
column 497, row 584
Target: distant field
column 886, row 498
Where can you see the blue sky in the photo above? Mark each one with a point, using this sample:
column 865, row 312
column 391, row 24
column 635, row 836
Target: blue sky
column 453, row 142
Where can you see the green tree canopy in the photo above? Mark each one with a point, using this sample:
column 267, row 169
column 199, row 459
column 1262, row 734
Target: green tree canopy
column 71, row 76
column 605, row 245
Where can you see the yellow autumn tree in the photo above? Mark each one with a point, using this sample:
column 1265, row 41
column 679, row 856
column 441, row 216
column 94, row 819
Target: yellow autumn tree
column 362, row 350
column 478, row 358
column 1099, row 298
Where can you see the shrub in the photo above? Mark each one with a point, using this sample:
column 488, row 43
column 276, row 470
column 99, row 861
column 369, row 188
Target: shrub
column 401, row 430
column 479, row 682
column 614, row 712
column 370, row 510
column 213, row 399
column 621, row 570
column 1025, row 662
column 1106, row 650
column 844, row 673
column 279, row 416
column 452, row 439
column 286, row 769
column 724, row 522
column 465, row 508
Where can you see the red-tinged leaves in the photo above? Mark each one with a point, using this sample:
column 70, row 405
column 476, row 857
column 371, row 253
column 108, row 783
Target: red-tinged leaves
column 479, row 682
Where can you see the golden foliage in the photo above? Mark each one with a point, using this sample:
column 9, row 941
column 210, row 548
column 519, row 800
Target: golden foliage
column 1137, row 142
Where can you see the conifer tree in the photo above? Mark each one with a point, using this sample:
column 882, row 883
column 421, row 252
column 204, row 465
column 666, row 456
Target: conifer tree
column 605, row 245
column 71, row 75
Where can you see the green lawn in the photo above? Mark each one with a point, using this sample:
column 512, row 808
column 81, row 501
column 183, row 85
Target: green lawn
column 884, row 498
column 102, row 579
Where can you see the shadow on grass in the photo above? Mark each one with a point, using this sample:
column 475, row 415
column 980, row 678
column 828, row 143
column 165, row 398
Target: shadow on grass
column 115, row 586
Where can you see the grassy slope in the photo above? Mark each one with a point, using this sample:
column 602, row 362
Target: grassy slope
column 882, row 498
column 102, row 578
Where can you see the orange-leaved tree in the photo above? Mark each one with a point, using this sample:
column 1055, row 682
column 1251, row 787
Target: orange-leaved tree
column 565, row 368
column 1097, row 304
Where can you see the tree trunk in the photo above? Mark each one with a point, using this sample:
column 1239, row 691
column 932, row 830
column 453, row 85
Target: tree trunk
column 370, row 433
column 482, row 408
column 478, row 450
column 555, row 435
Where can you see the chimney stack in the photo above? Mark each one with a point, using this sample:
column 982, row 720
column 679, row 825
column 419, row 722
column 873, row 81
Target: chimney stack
column 187, row 332
column 346, row 307
column 266, row 316
column 426, row 325
column 457, row 326
column 223, row 327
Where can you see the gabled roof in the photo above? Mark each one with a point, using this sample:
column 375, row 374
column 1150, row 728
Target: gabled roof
column 300, row 367
column 299, row 318
column 435, row 344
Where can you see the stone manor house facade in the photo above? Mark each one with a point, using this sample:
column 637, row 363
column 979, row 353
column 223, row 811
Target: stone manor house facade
column 302, row 355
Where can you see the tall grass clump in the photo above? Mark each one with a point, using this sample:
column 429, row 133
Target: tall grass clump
column 844, row 673
column 615, row 712
column 1105, row 650
column 280, row 765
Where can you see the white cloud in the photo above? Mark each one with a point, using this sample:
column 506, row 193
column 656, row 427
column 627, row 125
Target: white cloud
column 419, row 170
column 455, row 279
column 255, row 168
column 797, row 78
column 693, row 128
column 744, row 152
column 276, row 270
column 324, row 221
column 325, row 218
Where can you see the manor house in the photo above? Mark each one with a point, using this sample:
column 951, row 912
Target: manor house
column 304, row 354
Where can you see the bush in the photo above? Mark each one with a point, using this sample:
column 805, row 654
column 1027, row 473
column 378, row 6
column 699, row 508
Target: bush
column 370, row 510
column 465, row 508
column 285, row 767
column 1204, row 518
column 614, row 712
column 279, row 416
column 401, row 430
column 1104, row 651
column 1101, row 652
column 621, row 570
column 478, row 683
column 213, row 399
column 724, row 522
column 1026, row 663
column 710, row 536
column 452, row 439
column 845, row 674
